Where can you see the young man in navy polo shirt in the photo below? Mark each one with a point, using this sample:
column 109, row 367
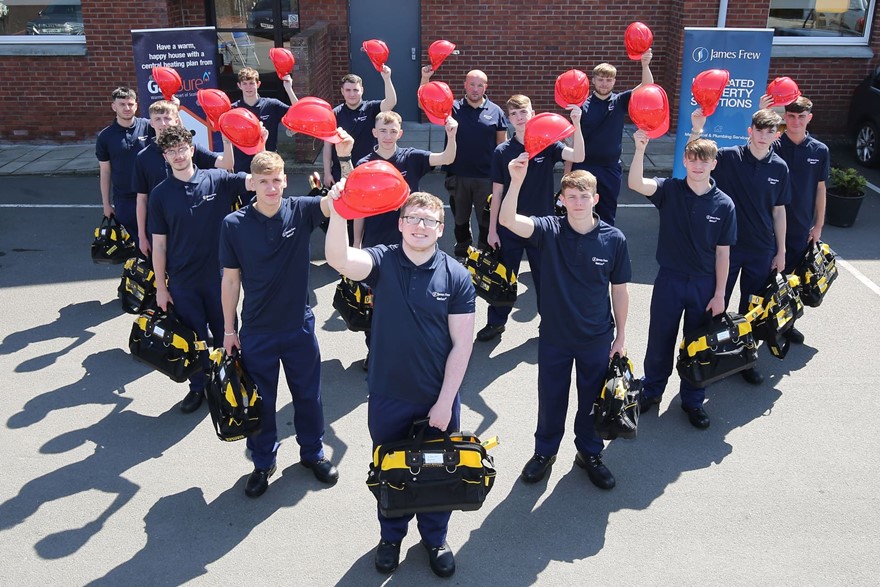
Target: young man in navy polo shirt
column 185, row 215
column 757, row 180
column 482, row 126
column 356, row 116
column 537, row 198
column 116, row 149
column 604, row 114
column 423, row 324
column 265, row 248
column 697, row 228
column 581, row 257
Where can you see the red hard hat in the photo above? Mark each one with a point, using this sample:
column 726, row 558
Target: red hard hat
column 436, row 99
column 572, row 87
column 545, row 129
column 638, row 39
column 438, row 52
column 708, row 87
column 313, row 117
column 783, row 90
column 318, row 101
column 168, row 80
column 215, row 103
column 283, row 61
column 372, row 188
column 242, row 128
column 649, row 110
column 377, row 51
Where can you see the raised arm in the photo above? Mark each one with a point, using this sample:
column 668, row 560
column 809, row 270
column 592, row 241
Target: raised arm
column 448, row 154
column 647, row 76
column 390, row 100
column 576, row 153
column 522, row 226
column 636, row 180
column 349, row 261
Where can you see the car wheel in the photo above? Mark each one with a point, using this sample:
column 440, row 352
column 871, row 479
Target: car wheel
column 866, row 144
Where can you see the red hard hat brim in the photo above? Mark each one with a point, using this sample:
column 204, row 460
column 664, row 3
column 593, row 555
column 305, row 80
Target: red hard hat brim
column 349, row 212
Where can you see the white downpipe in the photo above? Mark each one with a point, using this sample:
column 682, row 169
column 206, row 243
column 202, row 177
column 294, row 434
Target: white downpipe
column 722, row 14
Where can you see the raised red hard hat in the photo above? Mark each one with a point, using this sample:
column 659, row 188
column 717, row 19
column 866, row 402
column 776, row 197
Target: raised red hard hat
column 377, row 51
column 649, row 110
column 242, row 128
column 372, row 188
column 708, row 87
column 438, row 52
column 572, row 87
column 312, row 117
column 168, row 80
column 283, row 61
column 545, row 129
column 783, row 90
column 215, row 103
column 638, row 39
column 436, row 99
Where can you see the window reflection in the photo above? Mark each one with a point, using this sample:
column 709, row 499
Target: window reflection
column 63, row 17
column 819, row 18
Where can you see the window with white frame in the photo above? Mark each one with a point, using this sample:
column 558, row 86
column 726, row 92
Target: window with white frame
column 821, row 22
column 26, row 21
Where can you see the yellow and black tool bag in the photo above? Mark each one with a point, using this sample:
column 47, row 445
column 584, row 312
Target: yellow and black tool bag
column 616, row 411
column 723, row 346
column 493, row 282
column 112, row 244
column 137, row 290
column 421, row 474
column 354, row 302
column 817, row 271
column 160, row 340
column 774, row 311
column 233, row 398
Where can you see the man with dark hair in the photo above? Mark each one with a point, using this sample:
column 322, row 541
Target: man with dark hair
column 268, row 110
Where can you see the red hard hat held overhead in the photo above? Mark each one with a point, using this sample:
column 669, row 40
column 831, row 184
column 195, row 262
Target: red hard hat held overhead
column 283, row 61
column 708, row 88
column 638, row 39
column 312, row 117
column 783, row 90
column 242, row 128
column 649, row 110
column 215, row 103
column 168, row 80
column 545, row 129
column 377, row 51
column 438, row 52
column 436, row 99
column 572, row 87
column 372, row 188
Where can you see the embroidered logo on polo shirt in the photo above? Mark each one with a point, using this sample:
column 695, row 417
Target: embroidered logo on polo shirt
column 772, row 180
column 539, row 160
column 487, row 116
column 288, row 233
column 812, row 161
column 712, row 219
column 209, row 197
column 440, row 296
column 361, row 118
column 599, row 261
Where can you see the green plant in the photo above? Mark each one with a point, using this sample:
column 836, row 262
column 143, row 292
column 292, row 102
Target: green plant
column 847, row 182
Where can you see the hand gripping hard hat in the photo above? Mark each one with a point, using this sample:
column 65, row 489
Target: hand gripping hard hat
column 215, row 103
column 313, row 117
column 649, row 110
column 572, row 87
column 377, row 51
column 545, row 129
column 438, row 52
column 242, row 128
column 168, row 80
column 372, row 188
column 783, row 90
column 637, row 38
column 708, row 87
column 436, row 99
column 283, row 61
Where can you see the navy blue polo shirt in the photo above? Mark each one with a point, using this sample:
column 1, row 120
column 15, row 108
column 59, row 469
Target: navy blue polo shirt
column 120, row 146
column 576, row 270
column 536, row 195
column 151, row 169
column 413, row 164
column 270, row 112
column 476, row 137
column 691, row 226
column 755, row 188
column 808, row 164
column 274, row 257
column 190, row 213
column 410, row 339
column 602, row 126
column 359, row 123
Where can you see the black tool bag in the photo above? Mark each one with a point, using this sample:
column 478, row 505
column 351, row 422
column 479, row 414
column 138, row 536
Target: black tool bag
column 492, row 281
column 233, row 398
column 558, row 208
column 317, row 188
column 354, row 302
column 773, row 312
column 137, row 289
column 453, row 472
column 112, row 244
column 817, row 271
column 163, row 342
column 723, row 346
column 616, row 411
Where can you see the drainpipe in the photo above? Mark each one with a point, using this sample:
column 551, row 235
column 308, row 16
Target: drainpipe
column 722, row 14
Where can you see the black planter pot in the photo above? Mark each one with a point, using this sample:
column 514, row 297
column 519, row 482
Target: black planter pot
column 842, row 211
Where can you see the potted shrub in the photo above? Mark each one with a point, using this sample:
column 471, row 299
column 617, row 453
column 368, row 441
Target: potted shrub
column 846, row 189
